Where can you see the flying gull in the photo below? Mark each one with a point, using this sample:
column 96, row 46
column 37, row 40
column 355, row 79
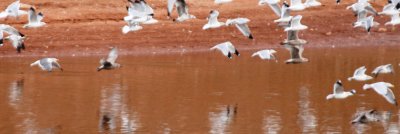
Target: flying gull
column 241, row 24
column 47, row 64
column 13, row 10
column 34, row 19
column 182, row 8
column 365, row 117
column 267, row 54
column 296, row 53
column 389, row 9
column 295, row 24
column 339, row 93
column 383, row 89
column 140, row 10
column 213, row 20
column 383, row 69
column 359, row 75
column 16, row 38
column 227, row 49
column 109, row 63
column 285, row 14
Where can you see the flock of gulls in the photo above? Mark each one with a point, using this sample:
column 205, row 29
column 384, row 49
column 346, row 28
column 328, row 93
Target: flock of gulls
column 139, row 12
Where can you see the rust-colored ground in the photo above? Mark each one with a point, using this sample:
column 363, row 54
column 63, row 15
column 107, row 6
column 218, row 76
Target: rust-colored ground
column 90, row 27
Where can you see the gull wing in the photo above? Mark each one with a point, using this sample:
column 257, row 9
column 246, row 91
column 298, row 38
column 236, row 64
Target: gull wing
column 338, row 87
column 244, row 29
column 294, row 51
column 10, row 30
column 362, row 15
column 181, row 7
column 222, row 47
column 388, row 7
column 360, row 71
column 296, row 21
column 170, row 6
column 295, row 2
column 213, row 18
column 55, row 63
column 377, row 70
column 371, row 9
column 33, row 17
column 45, row 64
column 285, row 12
column 383, row 89
column 292, row 35
column 113, row 55
column 395, row 17
column 275, row 8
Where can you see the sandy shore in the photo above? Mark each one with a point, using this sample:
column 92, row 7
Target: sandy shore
column 91, row 27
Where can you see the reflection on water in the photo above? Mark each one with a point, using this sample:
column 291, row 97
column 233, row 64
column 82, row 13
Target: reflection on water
column 178, row 94
column 272, row 123
column 220, row 121
column 114, row 111
column 307, row 119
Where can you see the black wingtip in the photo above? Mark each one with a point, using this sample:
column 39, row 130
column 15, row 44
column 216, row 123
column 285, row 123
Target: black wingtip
column 237, row 52
column 339, row 83
column 127, row 8
column 369, row 29
column 23, row 46
column 251, row 36
column 398, row 6
column 22, row 35
column 1, row 41
column 33, row 9
column 152, row 14
column 229, row 55
column 40, row 14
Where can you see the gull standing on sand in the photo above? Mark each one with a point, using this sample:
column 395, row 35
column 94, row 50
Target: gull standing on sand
column 339, row 93
column 383, row 89
column 383, row 69
column 295, row 24
column 285, row 14
column 359, row 75
column 13, row 10
column 109, row 63
column 273, row 4
column 213, row 20
column 241, row 24
column 296, row 53
column 222, row 1
column 296, row 5
column 47, row 64
column 34, row 19
column 267, row 54
column 182, row 8
column 16, row 37
column 227, row 49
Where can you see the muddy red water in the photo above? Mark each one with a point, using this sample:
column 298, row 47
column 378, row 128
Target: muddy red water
column 191, row 93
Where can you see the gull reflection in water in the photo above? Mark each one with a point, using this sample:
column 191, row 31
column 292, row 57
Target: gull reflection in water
column 16, row 89
column 220, row 120
column 306, row 117
column 114, row 112
column 272, row 123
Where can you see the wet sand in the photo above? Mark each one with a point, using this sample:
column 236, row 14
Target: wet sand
column 189, row 93
column 90, row 27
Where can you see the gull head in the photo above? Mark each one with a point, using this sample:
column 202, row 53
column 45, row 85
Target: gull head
column 353, row 92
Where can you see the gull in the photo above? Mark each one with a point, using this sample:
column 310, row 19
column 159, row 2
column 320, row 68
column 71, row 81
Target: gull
column 395, row 20
column 241, row 24
column 296, row 53
column 183, row 10
column 47, row 64
column 139, row 9
column 312, row 3
column 267, row 54
column 365, row 117
column 367, row 23
column 389, row 9
column 109, row 63
column 296, row 5
column 213, row 20
column 395, row 2
column 16, row 37
column 295, row 24
column 273, row 4
column 362, row 5
column 339, row 93
column 359, row 75
column 13, row 10
column 285, row 14
column 383, row 89
column 227, row 49
column 34, row 20
column 293, row 38
column 383, row 69
column 361, row 16
column 222, row 1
